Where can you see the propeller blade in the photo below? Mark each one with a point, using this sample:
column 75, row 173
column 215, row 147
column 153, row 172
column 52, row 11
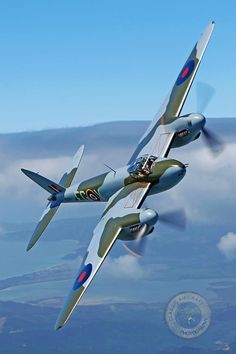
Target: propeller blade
column 204, row 94
column 213, row 142
column 174, row 218
column 137, row 247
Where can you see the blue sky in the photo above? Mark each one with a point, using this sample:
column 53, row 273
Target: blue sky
column 72, row 63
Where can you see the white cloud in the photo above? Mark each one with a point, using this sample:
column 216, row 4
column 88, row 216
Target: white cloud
column 207, row 191
column 125, row 266
column 227, row 245
column 14, row 183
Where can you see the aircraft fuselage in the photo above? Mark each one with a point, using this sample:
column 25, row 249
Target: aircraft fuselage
column 165, row 174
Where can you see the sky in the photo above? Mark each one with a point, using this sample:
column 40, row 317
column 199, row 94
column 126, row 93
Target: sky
column 77, row 63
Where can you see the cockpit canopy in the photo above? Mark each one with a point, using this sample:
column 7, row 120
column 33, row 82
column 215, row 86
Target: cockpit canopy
column 142, row 166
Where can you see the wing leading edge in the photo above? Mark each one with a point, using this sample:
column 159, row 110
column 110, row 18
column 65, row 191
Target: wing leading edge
column 171, row 108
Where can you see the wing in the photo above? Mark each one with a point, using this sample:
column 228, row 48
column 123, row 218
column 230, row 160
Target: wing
column 173, row 105
column 121, row 211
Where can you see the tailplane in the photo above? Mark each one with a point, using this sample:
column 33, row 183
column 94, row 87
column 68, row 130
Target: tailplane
column 56, row 190
column 45, row 183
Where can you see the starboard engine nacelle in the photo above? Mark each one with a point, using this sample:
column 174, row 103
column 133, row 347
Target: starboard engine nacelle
column 188, row 128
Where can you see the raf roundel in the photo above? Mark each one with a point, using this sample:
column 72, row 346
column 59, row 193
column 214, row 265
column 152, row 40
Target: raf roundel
column 185, row 72
column 83, row 276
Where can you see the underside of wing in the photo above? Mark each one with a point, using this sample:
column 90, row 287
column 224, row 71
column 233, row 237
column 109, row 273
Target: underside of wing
column 171, row 108
column 121, row 211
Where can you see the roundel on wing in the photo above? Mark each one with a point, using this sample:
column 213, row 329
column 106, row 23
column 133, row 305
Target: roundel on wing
column 83, row 276
column 185, row 72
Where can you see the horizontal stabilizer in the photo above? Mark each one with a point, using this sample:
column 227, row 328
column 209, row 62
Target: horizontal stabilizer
column 53, row 188
column 43, row 223
column 47, row 184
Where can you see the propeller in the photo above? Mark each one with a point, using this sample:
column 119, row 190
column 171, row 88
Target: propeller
column 212, row 141
column 137, row 247
column 204, row 94
column 174, row 218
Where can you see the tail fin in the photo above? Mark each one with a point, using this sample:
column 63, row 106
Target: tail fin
column 55, row 189
column 69, row 175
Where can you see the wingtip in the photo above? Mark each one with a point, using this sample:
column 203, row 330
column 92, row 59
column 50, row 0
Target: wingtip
column 28, row 248
column 212, row 25
column 60, row 322
column 57, row 327
column 81, row 149
column 30, row 245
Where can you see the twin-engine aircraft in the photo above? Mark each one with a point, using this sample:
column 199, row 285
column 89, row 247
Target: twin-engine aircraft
column 149, row 171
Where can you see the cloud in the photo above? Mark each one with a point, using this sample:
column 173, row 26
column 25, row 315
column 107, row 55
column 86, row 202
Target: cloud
column 13, row 182
column 207, row 191
column 227, row 245
column 125, row 266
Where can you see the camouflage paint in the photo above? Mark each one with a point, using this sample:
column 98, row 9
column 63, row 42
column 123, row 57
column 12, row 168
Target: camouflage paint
column 112, row 226
column 171, row 109
column 122, row 209
column 70, row 305
column 89, row 190
column 124, row 193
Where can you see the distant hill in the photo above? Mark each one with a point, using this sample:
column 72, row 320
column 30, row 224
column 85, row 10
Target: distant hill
column 100, row 138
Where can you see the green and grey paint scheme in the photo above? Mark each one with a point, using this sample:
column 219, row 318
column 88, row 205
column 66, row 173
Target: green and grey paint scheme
column 123, row 191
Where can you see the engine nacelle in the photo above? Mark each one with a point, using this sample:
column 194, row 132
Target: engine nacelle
column 188, row 128
column 146, row 216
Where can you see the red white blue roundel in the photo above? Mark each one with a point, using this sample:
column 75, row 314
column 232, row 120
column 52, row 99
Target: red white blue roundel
column 83, row 276
column 185, row 72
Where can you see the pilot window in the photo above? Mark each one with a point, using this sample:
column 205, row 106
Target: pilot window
column 142, row 166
